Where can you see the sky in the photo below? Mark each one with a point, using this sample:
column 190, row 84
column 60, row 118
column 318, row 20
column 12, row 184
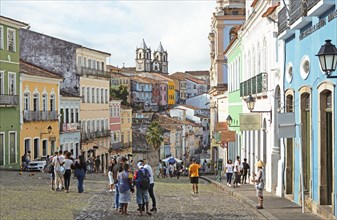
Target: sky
column 118, row 27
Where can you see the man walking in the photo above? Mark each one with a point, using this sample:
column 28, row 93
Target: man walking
column 237, row 172
column 193, row 173
column 246, row 167
column 97, row 164
column 151, row 193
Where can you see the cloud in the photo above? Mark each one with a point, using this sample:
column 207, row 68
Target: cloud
column 118, row 27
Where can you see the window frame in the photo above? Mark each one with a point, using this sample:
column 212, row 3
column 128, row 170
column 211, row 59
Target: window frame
column 14, row 40
column 15, row 147
column 2, row 82
column 2, row 46
column 14, row 83
column 52, row 104
column 3, row 148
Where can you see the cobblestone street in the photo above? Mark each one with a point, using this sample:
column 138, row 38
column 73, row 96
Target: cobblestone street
column 30, row 197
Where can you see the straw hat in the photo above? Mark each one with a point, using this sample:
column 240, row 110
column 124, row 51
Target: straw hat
column 260, row 163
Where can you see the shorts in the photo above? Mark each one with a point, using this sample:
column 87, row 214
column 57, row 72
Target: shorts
column 195, row 180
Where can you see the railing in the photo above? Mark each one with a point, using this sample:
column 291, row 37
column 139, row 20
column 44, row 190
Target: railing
column 65, row 127
column 95, row 134
column 116, row 146
column 40, row 115
column 9, row 100
column 282, row 20
column 90, row 71
column 254, row 85
column 296, row 7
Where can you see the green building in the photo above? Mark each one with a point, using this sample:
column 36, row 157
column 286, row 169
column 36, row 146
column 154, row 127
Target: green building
column 234, row 60
column 9, row 93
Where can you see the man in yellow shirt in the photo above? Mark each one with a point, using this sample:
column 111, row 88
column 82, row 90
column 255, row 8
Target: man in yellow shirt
column 193, row 173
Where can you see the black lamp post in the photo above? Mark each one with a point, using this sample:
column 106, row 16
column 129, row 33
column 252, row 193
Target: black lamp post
column 229, row 120
column 327, row 56
column 49, row 129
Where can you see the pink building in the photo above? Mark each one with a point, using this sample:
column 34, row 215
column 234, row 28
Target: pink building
column 115, row 123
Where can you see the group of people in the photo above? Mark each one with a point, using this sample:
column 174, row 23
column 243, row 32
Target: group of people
column 169, row 169
column 125, row 179
column 60, row 166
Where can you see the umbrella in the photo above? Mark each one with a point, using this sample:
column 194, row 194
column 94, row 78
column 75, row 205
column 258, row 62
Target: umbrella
column 172, row 160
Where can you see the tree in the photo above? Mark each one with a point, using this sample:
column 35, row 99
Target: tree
column 154, row 136
column 120, row 93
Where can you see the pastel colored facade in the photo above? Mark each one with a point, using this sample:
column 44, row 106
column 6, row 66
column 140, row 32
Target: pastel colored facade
column 227, row 16
column 141, row 91
column 117, row 79
column 115, row 124
column 39, row 108
column 313, row 99
column 126, row 129
column 70, row 126
column 9, row 93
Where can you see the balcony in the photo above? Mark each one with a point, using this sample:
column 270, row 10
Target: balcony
column 255, row 85
column 95, row 134
column 69, row 127
column 117, row 146
column 9, row 100
column 318, row 7
column 40, row 116
column 81, row 70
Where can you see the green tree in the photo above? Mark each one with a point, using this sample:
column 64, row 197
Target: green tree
column 154, row 136
column 120, row 93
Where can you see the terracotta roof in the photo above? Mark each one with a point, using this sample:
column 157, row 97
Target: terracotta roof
column 30, row 69
column 68, row 94
column 186, row 76
column 195, row 80
column 198, row 73
column 201, row 116
column 254, row 3
column 270, row 10
column 153, row 81
column 140, row 79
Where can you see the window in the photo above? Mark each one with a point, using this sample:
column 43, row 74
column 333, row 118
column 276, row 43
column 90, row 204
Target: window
column 102, row 95
column 67, row 116
column 93, row 125
column 1, row 39
column 44, row 102
column 97, row 95
column 52, row 147
column 98, row 66
column 79, row 61
column 2, row 149
column 89, row 63
column 2, row 82
column 76, row 115
column 83, row 94
column 11, row 42
column 11, row 84
column 106, row 96
column 36, row 102
column 118, row 111
column 52, row 103
column 26, row 100
column 102, row 125
column 12, row 147
column 71, row 115
column 93, row 95
column 44, row 147
column 97, row 125
column 84, row 61
column 88, row 94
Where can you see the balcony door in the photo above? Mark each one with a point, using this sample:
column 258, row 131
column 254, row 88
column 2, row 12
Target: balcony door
column 36, row 147
column 305, row 139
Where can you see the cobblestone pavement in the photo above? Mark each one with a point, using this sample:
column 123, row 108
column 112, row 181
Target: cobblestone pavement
column 30, row 197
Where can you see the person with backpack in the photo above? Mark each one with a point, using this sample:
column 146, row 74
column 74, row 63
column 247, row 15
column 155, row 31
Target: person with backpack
column 118, row 168
column 142, row 179
column 246, row 167
column 125, row 188
column 151, row 187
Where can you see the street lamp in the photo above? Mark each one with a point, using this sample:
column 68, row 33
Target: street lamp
column 250, row 100
column 49, row 129
column 229, row 121
column 327, row 56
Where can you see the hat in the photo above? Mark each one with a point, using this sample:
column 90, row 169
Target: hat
column 260, row 163
column 139, row 165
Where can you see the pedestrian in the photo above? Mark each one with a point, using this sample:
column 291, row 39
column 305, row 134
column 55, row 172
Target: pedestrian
column 118, row 168
column 97, row 164
column 142, row 179
column 229, row 172
column 236, row 170
column 259, row 184
column 58, row 161
column 164, row 170
column 160, row 169
column 62, row 156
column 52, row 171
column 110, row 175
column 80, row 170
column 125, row 188
column 23, row 163
column 245, row 172
column 151, row 188
column 67, row 163
column 193, row 173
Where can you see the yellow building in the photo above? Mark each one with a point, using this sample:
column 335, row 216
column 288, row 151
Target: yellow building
column 39, row 104
column 126, row 129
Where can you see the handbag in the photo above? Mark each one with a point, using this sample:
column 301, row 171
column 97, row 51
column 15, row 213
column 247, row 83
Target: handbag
column 62, row 168
column 260, row 186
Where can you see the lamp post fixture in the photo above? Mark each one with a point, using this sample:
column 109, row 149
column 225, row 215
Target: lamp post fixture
column 49, row 129
column 229, row 121
column 327, row 56
column 250, row 100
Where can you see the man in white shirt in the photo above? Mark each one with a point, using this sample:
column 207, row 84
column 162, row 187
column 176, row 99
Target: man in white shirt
column 153, row 198
column 236, row 170
column 58, row 161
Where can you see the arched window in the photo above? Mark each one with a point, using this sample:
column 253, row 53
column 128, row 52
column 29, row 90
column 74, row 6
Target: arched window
column 264, row 55
column 44, row 102
column 36, row 102
column 52, row 102
column 26, row 101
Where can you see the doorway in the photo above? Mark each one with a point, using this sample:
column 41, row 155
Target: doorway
column 305, row 139
column 289, row 151
column 36, row 148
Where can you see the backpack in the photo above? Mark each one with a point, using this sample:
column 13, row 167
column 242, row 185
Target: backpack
column 124, row 184
column 144, row 179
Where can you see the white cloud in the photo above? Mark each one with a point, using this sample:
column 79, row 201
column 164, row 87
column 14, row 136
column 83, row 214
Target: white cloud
column 118, row 27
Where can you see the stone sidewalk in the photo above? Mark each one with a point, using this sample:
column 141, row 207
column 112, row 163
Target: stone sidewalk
column 274, row 207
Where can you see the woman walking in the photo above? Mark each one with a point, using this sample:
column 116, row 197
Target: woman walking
column 259, row 184
column 229, row 172
column 110, row 169
column 80, row 170
column 125, row 188
column 67, row 164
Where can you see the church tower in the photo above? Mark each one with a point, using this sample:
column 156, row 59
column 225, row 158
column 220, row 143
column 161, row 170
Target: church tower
column 143, row 58
column 160, row 63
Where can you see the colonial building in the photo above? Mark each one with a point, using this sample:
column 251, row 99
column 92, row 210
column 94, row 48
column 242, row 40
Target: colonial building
column 40, row 97
column 145, row 63
column 117, row 79
column 9, row 93
column 115, row 125
column 126, row 130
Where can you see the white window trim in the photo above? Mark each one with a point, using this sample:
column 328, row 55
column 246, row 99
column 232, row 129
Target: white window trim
column 2, row 75
column 9, row 148
column 8, row 80
column 46, row 99
column 4, row 149
column 44, row 139
column 30, row 144
column 28, row 101
column 14, row 39
column 2, row 38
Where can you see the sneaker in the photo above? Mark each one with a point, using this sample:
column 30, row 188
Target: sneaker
column 239, row 184
column 229, row 185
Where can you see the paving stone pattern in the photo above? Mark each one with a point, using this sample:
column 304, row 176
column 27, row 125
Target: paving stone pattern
column 30, row 197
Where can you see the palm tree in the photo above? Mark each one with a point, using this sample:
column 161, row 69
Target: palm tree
column 154, row 136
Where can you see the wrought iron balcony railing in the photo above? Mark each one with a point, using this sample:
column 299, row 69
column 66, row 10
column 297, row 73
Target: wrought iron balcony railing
column 95, row 134
column 68, row 127
column 9, row 100
column 40, row 116
column 254, row 85
column 296, row 10
column 90, row 71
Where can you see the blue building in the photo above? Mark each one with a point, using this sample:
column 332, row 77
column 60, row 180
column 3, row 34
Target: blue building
column 313, row 98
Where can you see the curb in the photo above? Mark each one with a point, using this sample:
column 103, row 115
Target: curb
column 241, row 197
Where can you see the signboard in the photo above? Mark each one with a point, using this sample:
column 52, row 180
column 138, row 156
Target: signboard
column 250, row 121
column 221, row 126
column 227, row 136
column 286, row 125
